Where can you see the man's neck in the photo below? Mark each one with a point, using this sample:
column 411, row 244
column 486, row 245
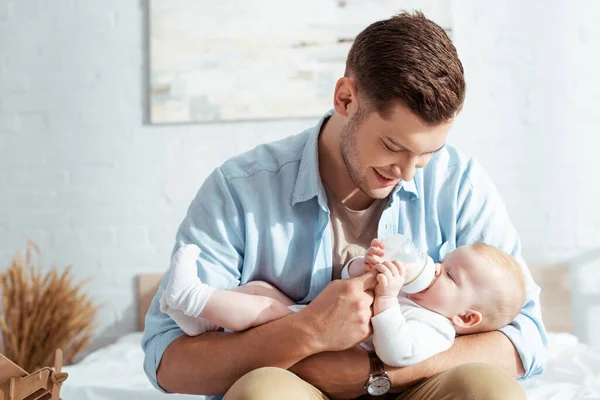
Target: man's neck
column 333, row 170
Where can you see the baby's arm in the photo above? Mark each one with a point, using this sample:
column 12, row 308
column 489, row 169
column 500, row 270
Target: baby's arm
column 404, row 335
column 360, row 265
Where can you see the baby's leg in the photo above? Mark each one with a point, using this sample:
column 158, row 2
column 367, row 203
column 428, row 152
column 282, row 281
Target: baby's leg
column 261, row 288
column 268, row 290
column 186, row 296
column 239, row 311
column 246, row 306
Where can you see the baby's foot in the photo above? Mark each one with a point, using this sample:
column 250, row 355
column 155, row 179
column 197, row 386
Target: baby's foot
column 185, row 292
column 192, row 326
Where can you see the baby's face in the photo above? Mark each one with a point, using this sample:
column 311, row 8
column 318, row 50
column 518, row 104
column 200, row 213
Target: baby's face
column 462, row 278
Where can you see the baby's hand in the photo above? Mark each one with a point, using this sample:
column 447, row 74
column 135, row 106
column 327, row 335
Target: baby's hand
column 390, row 279
column 374, row 255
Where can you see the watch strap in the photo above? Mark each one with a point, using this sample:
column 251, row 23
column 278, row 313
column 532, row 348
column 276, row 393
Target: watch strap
column 377, row 366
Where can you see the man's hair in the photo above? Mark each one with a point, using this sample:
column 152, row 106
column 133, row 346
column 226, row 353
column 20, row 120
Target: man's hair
column 508, row 297
column 408, row 59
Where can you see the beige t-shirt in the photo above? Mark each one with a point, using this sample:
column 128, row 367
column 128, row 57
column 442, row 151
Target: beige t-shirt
column 352, row 230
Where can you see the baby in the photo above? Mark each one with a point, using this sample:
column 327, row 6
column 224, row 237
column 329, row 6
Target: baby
column 476, row 288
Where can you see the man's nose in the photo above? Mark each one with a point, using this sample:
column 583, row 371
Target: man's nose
column 406, row 167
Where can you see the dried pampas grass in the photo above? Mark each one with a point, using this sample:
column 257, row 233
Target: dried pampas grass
column 42, row 313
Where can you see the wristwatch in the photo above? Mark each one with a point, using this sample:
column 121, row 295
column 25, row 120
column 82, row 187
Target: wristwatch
column 379, row 382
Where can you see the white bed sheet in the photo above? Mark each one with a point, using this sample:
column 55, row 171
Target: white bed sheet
column 115, row 372
column 572, row 371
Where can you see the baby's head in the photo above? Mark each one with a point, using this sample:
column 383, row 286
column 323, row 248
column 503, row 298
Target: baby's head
column 479, row 288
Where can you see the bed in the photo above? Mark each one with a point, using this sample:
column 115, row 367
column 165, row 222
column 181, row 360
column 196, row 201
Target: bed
column 573, row 371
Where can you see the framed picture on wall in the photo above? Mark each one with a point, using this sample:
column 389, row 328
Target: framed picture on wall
column 233, row 60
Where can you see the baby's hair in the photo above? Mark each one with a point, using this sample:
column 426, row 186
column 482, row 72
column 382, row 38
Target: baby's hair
column 509, row 296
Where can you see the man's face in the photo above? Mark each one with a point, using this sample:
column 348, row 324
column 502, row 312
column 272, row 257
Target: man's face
column 379, row 152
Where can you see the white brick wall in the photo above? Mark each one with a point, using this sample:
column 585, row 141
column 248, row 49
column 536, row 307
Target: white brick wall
column 95, row 187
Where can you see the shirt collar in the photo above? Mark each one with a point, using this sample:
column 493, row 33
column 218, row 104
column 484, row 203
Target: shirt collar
column 308, row 183
column 408, row 187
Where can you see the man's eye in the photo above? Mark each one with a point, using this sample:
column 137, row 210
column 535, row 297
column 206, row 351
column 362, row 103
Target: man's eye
column 388, row 148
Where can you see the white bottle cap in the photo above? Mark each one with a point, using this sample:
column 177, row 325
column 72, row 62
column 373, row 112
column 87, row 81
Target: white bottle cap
column 423, row 280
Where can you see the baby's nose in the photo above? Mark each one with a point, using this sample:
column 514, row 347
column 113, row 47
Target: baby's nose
column 438, row 269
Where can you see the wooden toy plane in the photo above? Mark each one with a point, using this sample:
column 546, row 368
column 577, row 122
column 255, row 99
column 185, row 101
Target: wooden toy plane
column 43, row 384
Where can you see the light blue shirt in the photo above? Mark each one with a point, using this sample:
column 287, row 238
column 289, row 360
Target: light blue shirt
column 263, row 215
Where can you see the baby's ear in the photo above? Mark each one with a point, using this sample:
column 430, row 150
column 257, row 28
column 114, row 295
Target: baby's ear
column 468, row 320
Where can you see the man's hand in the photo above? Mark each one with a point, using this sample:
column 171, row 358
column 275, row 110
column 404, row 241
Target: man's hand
column 339, row 317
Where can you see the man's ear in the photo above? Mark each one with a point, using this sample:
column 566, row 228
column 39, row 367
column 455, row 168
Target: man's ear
column 345, row 101
column 468, row 320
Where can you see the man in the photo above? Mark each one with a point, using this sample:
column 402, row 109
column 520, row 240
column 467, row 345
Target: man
column 293, row 212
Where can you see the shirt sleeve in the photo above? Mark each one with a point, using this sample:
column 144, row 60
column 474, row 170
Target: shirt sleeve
column 482, row 216
column 214, row 222
column 410, row 337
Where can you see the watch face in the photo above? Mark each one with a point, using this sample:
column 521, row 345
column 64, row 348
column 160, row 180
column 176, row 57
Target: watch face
column 379, row 385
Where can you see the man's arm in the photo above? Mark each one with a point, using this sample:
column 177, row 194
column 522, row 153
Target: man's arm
column 343, row 375
column 491, row 348
column 482, row 216
column 214, row 223
column 212, row 362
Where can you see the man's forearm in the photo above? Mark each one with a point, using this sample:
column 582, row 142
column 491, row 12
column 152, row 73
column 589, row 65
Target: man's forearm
column 343, row 374
column 492, row 348
column 212, row 362
column 340, row 374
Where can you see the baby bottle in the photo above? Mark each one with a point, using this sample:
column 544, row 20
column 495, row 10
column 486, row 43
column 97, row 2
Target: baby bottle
column 420, row 270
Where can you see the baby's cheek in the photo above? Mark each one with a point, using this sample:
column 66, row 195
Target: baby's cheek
column 440, row 296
